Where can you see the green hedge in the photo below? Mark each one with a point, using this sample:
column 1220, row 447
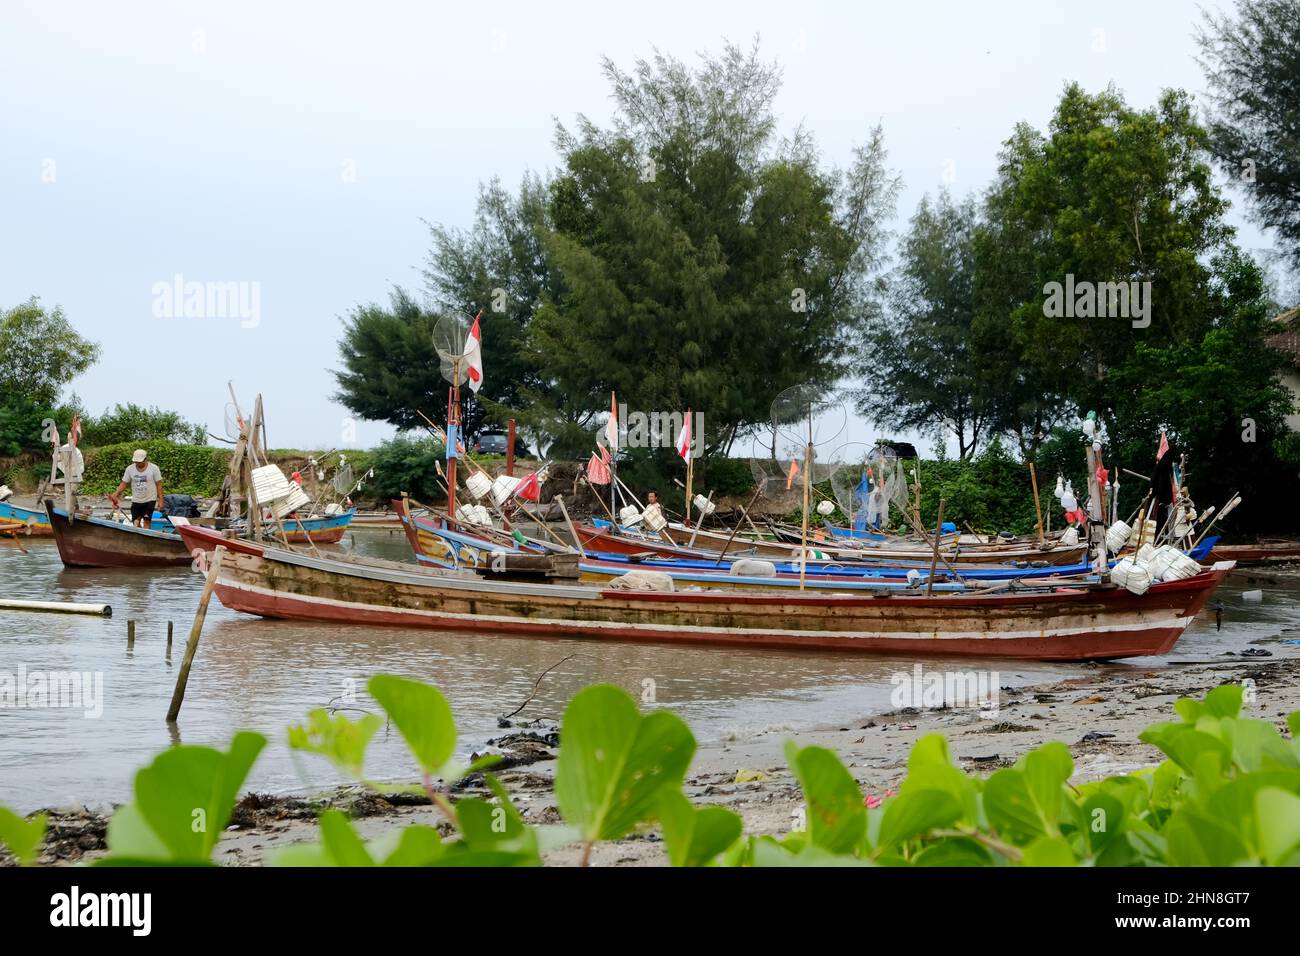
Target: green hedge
column 186, row 469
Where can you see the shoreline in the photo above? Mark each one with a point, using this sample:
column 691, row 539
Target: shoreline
column 1098, row 715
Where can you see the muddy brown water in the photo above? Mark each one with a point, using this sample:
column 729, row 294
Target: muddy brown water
column 265, row 675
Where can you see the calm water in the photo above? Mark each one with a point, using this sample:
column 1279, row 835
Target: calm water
column 265, row 675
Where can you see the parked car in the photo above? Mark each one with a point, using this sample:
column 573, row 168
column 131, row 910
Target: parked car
column 493, row 442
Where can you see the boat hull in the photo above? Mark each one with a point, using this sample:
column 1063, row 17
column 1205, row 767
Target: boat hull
column 1062, row 624
column 95, row 543
column 33, row 522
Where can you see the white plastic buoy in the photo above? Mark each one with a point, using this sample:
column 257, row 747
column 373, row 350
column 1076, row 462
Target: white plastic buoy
column 1252, row 597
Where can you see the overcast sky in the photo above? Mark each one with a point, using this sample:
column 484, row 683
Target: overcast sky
column 298, row 147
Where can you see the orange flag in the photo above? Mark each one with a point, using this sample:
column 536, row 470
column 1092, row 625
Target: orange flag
column 789, row 479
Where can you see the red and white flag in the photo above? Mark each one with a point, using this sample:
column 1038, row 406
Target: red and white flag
column 611, row 427
column 54, row 435
column 684, row 438
column 1164, row 446
column 75, row 432
column 474, row 353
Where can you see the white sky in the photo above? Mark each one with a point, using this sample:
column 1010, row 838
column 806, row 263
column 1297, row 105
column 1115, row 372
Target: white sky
column 210, row 140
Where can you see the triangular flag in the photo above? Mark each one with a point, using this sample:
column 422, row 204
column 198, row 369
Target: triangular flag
column 474, row 353
column 789, row 479
column 684, row 438
column 1164, row 446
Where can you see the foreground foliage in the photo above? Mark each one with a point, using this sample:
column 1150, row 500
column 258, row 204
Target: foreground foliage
column 1227, row 794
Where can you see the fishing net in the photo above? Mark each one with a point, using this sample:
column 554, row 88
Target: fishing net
column 343, row 478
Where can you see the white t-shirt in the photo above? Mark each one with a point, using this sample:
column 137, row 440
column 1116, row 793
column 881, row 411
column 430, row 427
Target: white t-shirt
column 144, row 484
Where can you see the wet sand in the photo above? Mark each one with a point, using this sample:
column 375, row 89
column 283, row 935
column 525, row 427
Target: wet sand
column 1098, row 715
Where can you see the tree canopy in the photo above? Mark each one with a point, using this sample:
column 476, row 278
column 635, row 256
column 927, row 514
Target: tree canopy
column 40, row 352
column 1252, row 63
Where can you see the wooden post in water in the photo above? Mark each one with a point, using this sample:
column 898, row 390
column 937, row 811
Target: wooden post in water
column 130, row 635
column 169, row 640
column 934, row 556
column 192, row 645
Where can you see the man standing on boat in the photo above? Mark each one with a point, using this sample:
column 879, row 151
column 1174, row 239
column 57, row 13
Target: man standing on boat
column 145, row 481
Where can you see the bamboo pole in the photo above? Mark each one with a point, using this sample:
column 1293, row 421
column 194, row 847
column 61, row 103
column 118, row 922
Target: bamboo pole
column 934, row 555
column 744, row 514
column 572, row 530
column 699, row 521
column 803, row 537
column 1038, row 508
column 192, row 645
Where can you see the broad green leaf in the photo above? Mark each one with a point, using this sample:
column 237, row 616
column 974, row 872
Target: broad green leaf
column 836, row 816
column 1256, row 745
column 695, row 837
column 130, row 836
column 1101, row 820
column 341, row 842
column 954, row 851
column 1277, row 816
column 422, row 716
column 338, row 738
column 1049, row 851
column 414, row 845
column 915, row 813
column 1222, row 701
column 185, row 797
column 1185, row 745
column 614, row 763
column 21, row 837
column 1195, row 839
column 1009, row 807
column 1046, row 769
column 769, row 853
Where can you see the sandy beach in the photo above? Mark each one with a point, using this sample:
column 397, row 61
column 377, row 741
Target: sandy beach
column 1098, row 715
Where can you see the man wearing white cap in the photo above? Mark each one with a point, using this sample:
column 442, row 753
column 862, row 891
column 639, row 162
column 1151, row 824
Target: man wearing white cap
column 146, row 488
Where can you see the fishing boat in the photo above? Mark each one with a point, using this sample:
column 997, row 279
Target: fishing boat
column 88, row 542
column 436, row 544
column 321, row 529
column 1263, row 552
column 36, row 522
column 1093, row 622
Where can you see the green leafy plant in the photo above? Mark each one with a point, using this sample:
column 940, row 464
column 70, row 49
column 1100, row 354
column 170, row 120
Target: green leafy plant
column 1227, row 794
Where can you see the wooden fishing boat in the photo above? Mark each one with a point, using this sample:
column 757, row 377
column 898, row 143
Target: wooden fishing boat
column 1263, row 552
column 950, row 549
column 36, row 522
column 89, row 542
column 1076, row 623
column 435, row 544
column 322, row 529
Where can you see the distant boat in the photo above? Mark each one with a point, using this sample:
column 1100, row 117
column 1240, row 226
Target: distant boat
column 88, row 542
column 36, row 521
column 323, row 529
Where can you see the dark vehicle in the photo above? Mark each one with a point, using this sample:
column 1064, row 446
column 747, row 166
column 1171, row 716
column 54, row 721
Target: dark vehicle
column 493, row 442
